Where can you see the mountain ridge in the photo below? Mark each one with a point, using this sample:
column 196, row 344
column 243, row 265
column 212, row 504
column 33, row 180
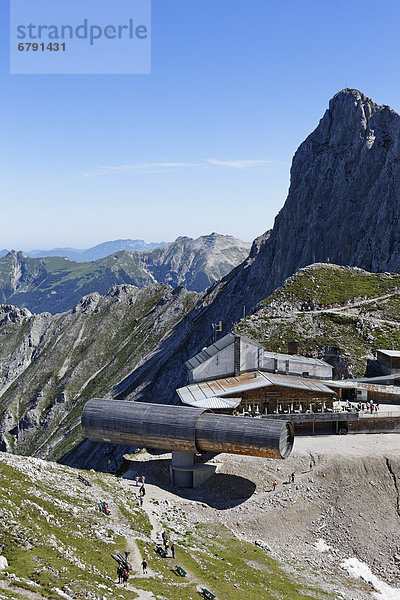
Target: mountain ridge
column 56, row 284
column 98, row 251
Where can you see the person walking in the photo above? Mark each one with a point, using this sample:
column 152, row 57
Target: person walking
column 173, row 550
column 274, row 485
column 144, row 566
column 120, row 573
column 292, row 478
column 125, row 577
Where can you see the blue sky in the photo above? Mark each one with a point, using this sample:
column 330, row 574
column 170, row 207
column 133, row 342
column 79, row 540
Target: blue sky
column 204, row 143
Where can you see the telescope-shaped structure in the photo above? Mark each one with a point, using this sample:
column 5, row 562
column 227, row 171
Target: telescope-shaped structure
column 184, row 431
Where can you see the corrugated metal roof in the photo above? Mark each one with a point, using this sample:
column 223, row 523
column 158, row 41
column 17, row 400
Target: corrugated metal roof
column 247, row 381
column 297, row 382
column 393, row 353
column 383, row 378
column 215, row 402
column 357, row 385
column 295, row 358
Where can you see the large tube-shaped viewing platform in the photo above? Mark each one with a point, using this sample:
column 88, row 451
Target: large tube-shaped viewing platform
column 184, row 429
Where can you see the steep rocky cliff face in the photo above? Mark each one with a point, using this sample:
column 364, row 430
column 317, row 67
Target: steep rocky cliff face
column 343, row 204
column 344, row 197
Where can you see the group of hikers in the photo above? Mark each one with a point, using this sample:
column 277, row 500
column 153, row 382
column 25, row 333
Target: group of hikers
column 291, row 477
column 166, row 544
column 370, row 406
column 124, row 567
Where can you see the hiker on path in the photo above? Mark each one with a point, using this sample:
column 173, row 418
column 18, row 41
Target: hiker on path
column 137, row 480
column 173, row 550
column 142, row 491
column 120, row 573
column 164, row 537
column 292, row 478
column 144, row 566
column 274, row 485
column 125, row 577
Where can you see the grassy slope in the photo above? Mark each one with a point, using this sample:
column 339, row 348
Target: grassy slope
column 279, row 320
column 54, row 537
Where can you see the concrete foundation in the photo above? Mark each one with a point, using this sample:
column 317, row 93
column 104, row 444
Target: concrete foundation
column 186, row 472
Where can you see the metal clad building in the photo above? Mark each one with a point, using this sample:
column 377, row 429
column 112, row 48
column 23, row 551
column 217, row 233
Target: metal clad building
column 236, row 354
column 389, row 361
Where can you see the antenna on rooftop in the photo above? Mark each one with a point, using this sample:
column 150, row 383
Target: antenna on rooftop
column 217, row 328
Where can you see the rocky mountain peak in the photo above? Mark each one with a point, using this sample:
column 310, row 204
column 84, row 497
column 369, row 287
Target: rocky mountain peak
column 349, row 96
column 17, row 255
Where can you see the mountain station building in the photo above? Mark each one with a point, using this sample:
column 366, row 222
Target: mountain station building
column 235, row 375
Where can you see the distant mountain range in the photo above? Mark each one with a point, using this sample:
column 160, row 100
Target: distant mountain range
column 96, row 252
column 55, row 284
